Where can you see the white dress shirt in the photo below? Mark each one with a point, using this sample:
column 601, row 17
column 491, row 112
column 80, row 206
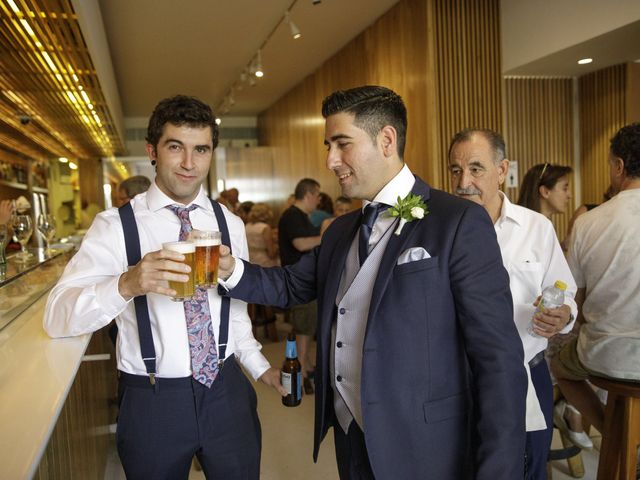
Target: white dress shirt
column 534, row 260
column 86, row 298
column 399, row 186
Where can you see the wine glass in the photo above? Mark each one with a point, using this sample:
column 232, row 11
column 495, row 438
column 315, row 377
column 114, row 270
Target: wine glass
column 47, row 228
column 22, row 230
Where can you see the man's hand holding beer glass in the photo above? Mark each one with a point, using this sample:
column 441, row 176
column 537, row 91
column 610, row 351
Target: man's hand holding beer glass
column 152, row 274
column 227, row 263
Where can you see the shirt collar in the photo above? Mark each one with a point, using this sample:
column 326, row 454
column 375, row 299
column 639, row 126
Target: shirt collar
column 398, row 186
column 508, row 211
column 157, row 199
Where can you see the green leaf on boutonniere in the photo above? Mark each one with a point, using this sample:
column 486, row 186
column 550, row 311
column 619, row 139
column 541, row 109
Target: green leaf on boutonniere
column 408, row 209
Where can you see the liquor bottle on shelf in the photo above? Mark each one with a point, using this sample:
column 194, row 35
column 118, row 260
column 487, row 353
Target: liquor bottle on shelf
column 291, row 374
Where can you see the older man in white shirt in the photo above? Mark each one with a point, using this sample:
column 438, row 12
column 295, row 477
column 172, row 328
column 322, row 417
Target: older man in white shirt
column 532, row 255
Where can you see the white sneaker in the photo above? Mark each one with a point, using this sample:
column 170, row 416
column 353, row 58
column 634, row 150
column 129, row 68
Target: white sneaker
column 579, row 439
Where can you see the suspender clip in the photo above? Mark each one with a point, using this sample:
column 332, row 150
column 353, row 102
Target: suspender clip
column 152, row 378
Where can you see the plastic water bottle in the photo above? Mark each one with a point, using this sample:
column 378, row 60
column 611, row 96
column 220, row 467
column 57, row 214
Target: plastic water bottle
column 552, row 297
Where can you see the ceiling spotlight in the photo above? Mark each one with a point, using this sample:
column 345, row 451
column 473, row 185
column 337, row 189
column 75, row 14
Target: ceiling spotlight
column 584, row 61
column 295, row 31
column 218, row 120
column 259, row 73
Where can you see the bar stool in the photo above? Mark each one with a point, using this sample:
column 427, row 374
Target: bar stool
column 621, row 435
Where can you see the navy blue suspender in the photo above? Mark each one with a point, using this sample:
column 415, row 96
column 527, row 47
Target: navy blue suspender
column 226, row 301
column 132, row 245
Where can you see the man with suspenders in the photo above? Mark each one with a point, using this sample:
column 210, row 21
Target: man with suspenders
column 182, row 393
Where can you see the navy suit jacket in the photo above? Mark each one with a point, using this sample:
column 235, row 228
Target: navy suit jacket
column 443, row 379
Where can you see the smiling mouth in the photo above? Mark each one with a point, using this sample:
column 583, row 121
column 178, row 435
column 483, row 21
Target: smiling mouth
column 343, row 176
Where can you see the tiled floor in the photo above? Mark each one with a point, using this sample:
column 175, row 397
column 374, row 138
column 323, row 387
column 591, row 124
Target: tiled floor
column 287, row 437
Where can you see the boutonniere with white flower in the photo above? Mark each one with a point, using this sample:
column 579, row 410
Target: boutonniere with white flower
column 409, row 208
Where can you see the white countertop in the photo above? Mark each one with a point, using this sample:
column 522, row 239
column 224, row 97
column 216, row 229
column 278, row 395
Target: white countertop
column 36, row 373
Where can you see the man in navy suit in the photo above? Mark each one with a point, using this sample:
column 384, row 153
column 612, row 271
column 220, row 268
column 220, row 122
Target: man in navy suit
column 419, row 364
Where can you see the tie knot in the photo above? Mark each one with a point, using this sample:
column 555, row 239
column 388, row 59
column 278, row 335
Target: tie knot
column 183, row 215
column 371, row 212
column 181, row 211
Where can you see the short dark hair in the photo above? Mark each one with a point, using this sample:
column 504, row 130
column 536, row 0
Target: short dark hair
column 496, row 142
column 181, row 110
column 374, row 108
column 625, row 145
column 305, row 186
column 132, row 186
column 541, row 175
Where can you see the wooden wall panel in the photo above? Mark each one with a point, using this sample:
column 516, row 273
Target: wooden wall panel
column 538, row 128
column 633, row 93
column 602, row 114
column 442, row 57
column 468, row 68
column 79, row 443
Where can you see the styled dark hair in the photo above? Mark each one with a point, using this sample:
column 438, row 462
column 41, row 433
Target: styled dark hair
column 181, row 110
column 132, row 186
column 496, row 142
column 541, row 175
column 305, row 186
column 374, row 108
column 625, row 145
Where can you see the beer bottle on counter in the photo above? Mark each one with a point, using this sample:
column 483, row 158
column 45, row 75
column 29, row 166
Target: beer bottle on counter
column 291, row 374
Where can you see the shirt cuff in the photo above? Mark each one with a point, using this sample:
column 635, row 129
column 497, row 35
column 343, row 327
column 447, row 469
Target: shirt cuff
column 109, row 298
column 235, row 277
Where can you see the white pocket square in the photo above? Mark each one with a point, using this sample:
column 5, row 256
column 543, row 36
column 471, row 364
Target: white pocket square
column 412, row 255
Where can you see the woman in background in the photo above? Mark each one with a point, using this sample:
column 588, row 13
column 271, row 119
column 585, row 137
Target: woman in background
column 262, row 247
column 263, row 250
column 545, row 189
column 322, row 212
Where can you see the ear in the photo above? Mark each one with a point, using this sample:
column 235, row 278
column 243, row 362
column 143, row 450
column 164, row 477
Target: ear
column 543, row 191
column 503, row 169
column 388, row 140
column 151, row 153
column 618, row 165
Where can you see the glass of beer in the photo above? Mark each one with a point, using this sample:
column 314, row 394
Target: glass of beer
column 207, row 256
column 184, row 290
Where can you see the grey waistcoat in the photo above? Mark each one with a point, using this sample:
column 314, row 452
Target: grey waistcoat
column 353, row 301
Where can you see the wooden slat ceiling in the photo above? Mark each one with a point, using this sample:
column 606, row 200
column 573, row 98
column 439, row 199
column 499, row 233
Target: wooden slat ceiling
column 46, row 75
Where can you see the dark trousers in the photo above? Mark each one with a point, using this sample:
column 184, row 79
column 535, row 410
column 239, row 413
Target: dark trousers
column 539, row 442
column 159, row 431
column 351, row 453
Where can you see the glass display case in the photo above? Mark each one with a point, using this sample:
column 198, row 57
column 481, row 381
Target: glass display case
column 22, row 283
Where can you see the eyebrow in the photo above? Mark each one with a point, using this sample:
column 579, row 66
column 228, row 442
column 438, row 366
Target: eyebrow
column 174, row 140
column 340, row 136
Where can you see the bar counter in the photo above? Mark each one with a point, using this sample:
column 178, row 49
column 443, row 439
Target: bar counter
column 54, row 393
column 36, row 374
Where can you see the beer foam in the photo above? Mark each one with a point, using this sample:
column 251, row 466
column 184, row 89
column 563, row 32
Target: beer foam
column 206, row 242
column 180, row 247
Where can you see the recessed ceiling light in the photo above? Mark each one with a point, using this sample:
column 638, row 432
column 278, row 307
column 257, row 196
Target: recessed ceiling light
column 584, row 61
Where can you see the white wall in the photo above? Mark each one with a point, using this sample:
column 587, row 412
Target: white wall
column 532, row 29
